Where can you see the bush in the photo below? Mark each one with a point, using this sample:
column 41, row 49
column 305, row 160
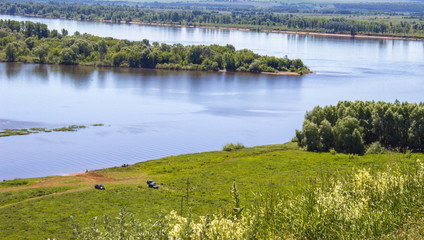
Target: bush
column 232, row 147
column 376, row 148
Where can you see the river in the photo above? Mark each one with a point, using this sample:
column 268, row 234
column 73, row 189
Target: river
column 149, row 114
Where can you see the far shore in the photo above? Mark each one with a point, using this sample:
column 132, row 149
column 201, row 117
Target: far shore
column 360, row 36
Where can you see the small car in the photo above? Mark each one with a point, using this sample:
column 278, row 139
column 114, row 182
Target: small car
column 152, row 184
column 155, row 187
column 99, row 186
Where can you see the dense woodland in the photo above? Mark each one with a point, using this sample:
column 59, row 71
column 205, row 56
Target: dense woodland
column 351, row 126
column 255, row 20
column 34, row 42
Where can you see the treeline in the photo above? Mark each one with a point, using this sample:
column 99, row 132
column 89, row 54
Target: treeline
column 350, row 127
column 34, row 42
column 256, row 20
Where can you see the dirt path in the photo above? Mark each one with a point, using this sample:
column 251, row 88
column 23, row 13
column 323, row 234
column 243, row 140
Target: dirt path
column 47, row 195
column 85, row 178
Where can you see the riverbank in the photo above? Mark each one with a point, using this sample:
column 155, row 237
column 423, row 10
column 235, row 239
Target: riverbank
column 161, row 69
column 203, row 180
column 300, row 32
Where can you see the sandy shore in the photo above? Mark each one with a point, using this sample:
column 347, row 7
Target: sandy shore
column 274, row 73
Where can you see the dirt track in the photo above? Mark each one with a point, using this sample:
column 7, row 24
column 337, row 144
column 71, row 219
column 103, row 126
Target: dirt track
column 85, row 178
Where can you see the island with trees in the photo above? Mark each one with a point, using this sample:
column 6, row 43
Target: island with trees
column 31, row 42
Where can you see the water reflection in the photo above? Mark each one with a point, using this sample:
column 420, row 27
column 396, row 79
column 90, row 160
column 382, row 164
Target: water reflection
column 78, row 76
column 11, row 69
column 42, row 71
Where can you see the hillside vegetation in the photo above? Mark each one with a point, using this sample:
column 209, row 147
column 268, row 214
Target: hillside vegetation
column 280, row 192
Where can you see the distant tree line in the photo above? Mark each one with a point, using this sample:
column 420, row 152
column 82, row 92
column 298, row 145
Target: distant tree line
column 351, row 126
column 34, row 42
column 256, row 20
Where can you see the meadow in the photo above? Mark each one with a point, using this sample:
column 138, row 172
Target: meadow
column 267, row 178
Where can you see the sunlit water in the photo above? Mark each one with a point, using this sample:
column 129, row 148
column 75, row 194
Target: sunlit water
column 150, row 114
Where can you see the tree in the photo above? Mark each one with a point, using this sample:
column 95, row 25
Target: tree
column 416, row 131
column 255, row 66
column 64, row 32
column 147, row 59
column 102, row 48
column 41, row 52
column 30, row 42
column 118, row 58
column 11, row 52
column 195, row 55
column 311, row 134
column 356, row 144
column 230, row 63
column 134, row 59
column 326, row 135
column 348, row 136
column 68, row 56
column 84, row 47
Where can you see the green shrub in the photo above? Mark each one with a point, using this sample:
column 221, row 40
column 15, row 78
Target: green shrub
column 232, row 147
column 376, row 148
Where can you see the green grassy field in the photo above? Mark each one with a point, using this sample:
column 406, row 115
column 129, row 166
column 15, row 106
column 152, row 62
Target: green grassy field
column 41, row 208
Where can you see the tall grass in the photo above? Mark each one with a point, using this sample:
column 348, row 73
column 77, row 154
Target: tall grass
column 364, row 205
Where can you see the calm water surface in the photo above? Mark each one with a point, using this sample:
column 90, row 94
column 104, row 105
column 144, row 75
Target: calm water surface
column 150, row 114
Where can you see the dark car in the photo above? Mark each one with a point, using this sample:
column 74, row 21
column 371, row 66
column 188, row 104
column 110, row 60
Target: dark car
column 99, row 186
column 152, row 184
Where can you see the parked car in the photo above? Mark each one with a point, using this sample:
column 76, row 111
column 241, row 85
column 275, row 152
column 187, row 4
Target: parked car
column 99, row 186
column 152, row 184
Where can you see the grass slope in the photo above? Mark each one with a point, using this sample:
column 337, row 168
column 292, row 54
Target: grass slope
column 42, row 208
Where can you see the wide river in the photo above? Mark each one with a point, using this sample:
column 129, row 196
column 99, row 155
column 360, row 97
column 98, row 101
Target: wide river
column 149, row 114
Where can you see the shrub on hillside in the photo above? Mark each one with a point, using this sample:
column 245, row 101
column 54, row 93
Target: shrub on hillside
column 232, row 147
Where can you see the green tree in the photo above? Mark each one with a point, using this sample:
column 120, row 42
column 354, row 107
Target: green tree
column 64, row 32
column 230, row 63
column 416, row 131
column 147, row 59
column 119, row 58
column 41, row 52
column 195, row 55
column 102, row 48
column 11, row 52
column 255, row 66
column 348, row 136
column 30, row 42
column 355, row 144
column 326, row 135
column 68, row 56
column 311, row 133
